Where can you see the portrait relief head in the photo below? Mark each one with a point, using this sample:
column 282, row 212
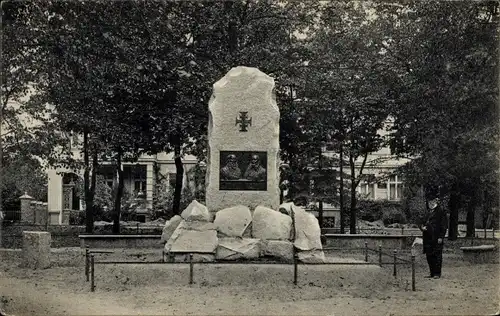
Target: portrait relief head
column 231, row 170
column 255, row 171
column 243, row 170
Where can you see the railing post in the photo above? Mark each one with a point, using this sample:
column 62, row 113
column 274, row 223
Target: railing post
column 92, row 276
column 190, row 268
column 395, row 271
column 295, row 266
column 402, row 230
column 380, row 255
column 87, row 263
column 413, row 272
column 366, row 251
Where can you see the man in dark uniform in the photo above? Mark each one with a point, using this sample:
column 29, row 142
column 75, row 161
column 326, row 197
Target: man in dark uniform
column 434, row 231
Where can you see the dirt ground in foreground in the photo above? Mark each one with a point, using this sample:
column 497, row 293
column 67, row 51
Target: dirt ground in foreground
column 224, row 289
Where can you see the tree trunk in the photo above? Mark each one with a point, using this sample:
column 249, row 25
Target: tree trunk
column 179, row 169
column 320, row 192
column 1, row 176
column 352, row 215
column 453, row 206
column 232, row 31
column 471, row 225
column 341, row 190
column 93, row 180
column 89, row 207
column 119, row 193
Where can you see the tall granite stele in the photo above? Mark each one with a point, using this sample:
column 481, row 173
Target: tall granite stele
column 243, row 141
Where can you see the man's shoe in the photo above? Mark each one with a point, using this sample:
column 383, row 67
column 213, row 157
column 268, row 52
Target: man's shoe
column 429, row 277
column 437, row 277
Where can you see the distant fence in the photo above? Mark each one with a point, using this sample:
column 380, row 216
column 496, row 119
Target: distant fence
column 409, row 231
column 11, row 215
column 67, row 235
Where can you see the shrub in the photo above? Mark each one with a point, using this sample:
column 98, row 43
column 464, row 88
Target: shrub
column 387, row 211
column 77, row 217
column 393, row 215
column 413, row 204
column 163, row 203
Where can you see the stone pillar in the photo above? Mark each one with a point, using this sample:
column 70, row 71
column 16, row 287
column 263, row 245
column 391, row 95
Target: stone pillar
column 36, row 250
column 27, row 212
column 243, row 142
column 149, row 184
column 55, row 195
column 68, row 196
column 67, row 202
column 41, row 214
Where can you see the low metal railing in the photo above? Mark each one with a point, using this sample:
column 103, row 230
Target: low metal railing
column 90, row 262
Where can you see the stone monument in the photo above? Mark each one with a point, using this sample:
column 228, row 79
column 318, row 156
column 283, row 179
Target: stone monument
column 242, row 219
column 243, row 141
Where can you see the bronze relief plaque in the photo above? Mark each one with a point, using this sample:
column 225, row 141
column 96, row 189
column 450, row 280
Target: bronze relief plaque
column 243, row 171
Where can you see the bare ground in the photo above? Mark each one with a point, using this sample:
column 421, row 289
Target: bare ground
column 251, row 290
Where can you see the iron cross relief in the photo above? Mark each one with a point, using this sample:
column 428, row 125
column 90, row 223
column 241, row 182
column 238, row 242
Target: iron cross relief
column 244, row 121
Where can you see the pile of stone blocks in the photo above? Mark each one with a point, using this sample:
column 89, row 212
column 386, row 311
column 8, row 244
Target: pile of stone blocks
column 239, row 233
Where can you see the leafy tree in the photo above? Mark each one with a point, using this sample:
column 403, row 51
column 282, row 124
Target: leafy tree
column 345, row 101
column 447, row 92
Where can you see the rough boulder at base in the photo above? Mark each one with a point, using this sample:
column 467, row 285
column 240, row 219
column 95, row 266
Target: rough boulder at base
column 307, row 234
column 170, row 227
column 231, row 248
column 268, row 224
column 278, row 249
column 233, row 221
column 193, row 237
column 196, row 212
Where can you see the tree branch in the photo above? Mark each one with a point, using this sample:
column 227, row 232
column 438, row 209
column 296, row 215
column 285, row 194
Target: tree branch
column 361, row 169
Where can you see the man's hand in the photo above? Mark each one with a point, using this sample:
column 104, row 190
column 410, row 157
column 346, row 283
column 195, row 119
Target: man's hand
column 440, row 240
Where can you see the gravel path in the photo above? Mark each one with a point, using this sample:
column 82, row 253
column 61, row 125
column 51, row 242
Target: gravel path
column 250, row 290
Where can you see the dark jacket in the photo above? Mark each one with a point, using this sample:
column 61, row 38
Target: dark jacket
column 436, row 227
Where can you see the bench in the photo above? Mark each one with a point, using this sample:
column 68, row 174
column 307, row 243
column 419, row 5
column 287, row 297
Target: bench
column 480, row 254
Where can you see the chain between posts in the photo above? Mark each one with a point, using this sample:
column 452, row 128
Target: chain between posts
column 90, row 264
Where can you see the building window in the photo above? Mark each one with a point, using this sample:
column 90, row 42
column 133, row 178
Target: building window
column 110, row 180
column 139, row 186
column 395, row 188
column 368, row 190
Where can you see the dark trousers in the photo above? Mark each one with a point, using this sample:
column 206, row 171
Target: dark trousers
column 435, row 261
